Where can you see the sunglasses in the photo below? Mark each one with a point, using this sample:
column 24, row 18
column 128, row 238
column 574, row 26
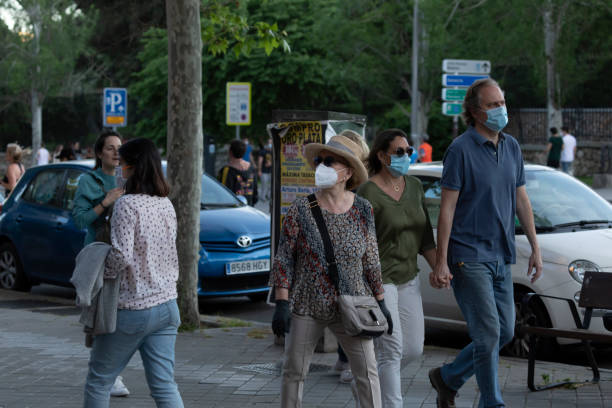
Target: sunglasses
column 401, row 151
column 328, row 161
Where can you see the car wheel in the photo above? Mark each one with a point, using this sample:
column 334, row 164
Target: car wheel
column 11, row 271
column 533, row 315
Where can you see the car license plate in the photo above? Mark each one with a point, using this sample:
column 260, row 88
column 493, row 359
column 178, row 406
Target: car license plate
column 236, row 268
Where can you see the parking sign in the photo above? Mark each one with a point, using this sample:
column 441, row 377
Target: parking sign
column 238, row 103
column 114, row 107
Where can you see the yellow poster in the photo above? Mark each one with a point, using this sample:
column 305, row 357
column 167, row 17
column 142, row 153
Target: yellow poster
column 296, row 175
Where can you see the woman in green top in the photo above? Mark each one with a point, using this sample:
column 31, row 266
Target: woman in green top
column 403, row 230
column 554, row 147
column 97, row 191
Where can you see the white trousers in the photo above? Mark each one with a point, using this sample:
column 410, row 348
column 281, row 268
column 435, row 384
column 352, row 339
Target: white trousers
column 405, row 344
column 299, row 347
column 265, row 194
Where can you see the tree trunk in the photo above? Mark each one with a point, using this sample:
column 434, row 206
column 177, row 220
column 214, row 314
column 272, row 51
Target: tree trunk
column 553, row 107
column 185, row 144
column 36, row 108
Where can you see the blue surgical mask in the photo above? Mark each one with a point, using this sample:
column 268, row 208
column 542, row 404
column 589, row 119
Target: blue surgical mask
column 497, row 118
column 399, row 165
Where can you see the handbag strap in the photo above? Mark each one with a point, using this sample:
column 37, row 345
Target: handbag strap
column 313, row 204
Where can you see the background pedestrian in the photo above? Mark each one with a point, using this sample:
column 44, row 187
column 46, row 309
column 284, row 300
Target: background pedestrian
column 42, row 156
column 554, row 147
column 15, row 168
column 238, row 175
column 264, row 169
column 568, row 154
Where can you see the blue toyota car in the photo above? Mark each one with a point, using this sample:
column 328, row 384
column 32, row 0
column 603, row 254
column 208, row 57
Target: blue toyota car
column 39, row 240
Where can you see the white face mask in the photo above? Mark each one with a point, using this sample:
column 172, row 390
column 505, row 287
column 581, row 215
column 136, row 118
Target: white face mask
column 325, row 177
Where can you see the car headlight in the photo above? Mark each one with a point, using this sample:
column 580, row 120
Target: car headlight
column 578, row 267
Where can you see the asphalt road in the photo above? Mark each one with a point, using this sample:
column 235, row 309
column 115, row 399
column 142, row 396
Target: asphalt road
column 243, row 308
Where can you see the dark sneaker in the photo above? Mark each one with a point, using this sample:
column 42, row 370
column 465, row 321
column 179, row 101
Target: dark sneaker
column 446, row 395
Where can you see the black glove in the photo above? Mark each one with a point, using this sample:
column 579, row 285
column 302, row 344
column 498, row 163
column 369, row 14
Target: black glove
column 281, row 321
column 387, row 313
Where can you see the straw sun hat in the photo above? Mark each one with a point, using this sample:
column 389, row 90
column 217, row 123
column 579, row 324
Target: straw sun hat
column 345, row 148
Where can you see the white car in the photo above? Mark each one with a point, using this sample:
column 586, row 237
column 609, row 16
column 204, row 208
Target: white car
column 574, row 230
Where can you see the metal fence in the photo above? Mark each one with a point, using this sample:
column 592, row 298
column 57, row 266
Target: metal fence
column 530, row 126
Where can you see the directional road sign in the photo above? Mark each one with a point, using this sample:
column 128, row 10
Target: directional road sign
column 466, row 66
column 451, row 109
column 449, row 94
column 238, row 103
column 460, row 80
column 114, row 107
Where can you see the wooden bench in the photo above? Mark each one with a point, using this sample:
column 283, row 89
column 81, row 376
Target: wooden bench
column 596, row 293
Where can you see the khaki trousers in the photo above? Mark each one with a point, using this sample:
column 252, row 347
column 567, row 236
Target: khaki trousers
column 299, row 347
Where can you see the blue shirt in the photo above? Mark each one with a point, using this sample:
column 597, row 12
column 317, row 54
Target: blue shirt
column 247, row 153
column 486, row 178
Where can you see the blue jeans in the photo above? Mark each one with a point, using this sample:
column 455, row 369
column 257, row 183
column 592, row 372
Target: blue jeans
column 485, row 295
column 566, row 166
column 152, row 332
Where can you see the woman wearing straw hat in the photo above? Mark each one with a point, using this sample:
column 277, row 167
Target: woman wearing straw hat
column 305, row 295
column 403, row 230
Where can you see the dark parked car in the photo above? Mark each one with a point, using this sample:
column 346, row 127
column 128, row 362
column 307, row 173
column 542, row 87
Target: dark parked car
column 39, row 240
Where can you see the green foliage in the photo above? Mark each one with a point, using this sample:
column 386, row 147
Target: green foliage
column 223, row 27
column 149, row 87
column 49, row 40
column 295, row 80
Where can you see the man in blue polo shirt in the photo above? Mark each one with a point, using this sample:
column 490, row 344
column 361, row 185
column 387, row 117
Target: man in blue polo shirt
column 483, row 186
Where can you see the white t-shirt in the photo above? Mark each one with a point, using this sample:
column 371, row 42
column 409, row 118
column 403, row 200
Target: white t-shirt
column 569, row 142
column 42, row 157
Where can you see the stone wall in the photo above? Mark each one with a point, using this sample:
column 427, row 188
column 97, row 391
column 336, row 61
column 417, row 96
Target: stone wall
column 588, row 159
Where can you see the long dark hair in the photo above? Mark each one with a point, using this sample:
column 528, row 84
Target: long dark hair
column 147, row 176
column 381, row 144
column 99, row 145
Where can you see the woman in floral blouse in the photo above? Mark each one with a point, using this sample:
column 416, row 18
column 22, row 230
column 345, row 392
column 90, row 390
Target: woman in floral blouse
column 305, row 295
column 144, row 258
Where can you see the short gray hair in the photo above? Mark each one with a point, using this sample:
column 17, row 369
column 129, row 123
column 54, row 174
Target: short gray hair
column 472, row 99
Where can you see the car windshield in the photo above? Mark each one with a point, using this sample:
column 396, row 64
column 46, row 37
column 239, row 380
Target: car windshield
column 559, row 199
column 215, row 194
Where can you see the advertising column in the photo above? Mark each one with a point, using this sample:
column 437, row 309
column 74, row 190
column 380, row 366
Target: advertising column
column 292, row 176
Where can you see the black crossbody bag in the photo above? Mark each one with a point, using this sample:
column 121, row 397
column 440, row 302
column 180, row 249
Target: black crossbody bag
column 360, row 315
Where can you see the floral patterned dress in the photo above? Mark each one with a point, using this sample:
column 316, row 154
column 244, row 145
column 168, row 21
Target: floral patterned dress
column 300, row 266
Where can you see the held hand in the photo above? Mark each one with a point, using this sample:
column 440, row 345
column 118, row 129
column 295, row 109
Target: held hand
column 281, row 321
column 112, row 196
column 440, row 277
column 535, row 261
column 387, row 313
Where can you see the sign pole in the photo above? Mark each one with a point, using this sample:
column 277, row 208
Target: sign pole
column 414, row 109
column 455, row 126
column 237, row 132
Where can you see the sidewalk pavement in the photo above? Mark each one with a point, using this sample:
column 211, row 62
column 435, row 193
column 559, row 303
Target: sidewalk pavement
column 43, row 363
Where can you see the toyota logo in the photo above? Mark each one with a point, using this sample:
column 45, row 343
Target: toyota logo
column 244, row 241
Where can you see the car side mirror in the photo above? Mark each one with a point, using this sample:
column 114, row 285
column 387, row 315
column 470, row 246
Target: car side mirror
column 242, row 199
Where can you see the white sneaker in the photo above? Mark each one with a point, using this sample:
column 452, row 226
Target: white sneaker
column 346, row 376
column 341, row 366
column 119, row 389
